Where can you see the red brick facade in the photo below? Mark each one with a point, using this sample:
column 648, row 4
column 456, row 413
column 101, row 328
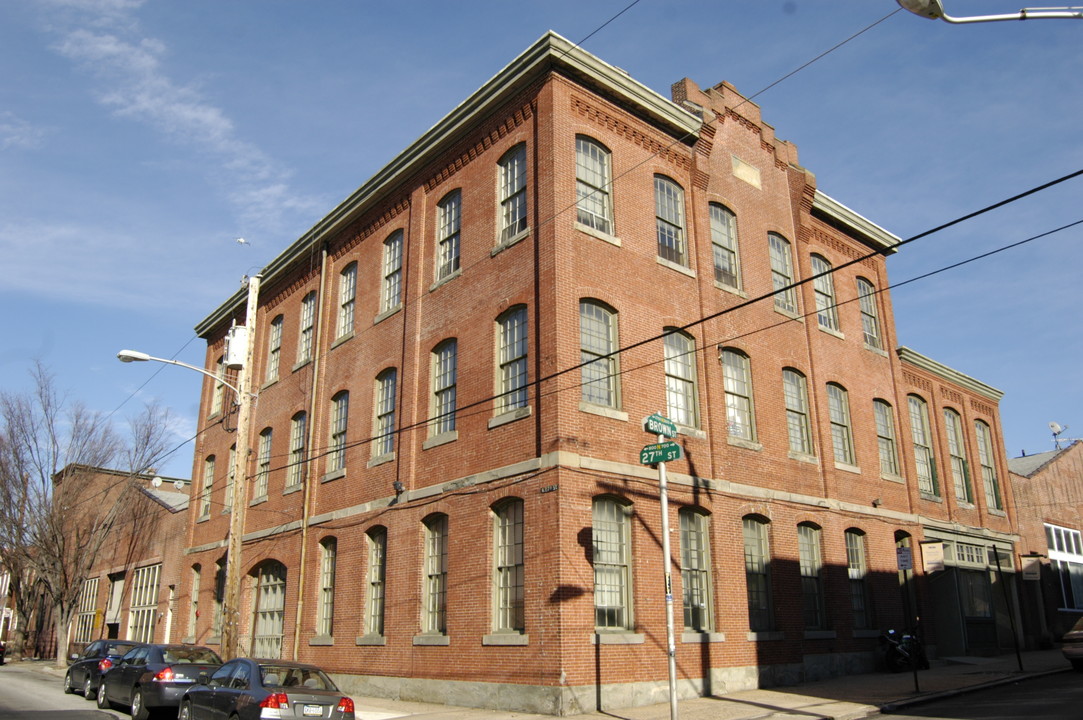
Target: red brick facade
column 558, row 454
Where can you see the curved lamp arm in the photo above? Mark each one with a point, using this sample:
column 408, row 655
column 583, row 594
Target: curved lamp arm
column 127, row 356
column 934, row 10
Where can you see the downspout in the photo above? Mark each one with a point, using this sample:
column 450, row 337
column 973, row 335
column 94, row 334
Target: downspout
column 306, row 505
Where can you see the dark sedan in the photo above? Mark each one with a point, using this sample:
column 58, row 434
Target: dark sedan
column 85, row 672
column 153, row 677
column 249, row 689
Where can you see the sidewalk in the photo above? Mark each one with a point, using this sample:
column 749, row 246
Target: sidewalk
column 843, row 698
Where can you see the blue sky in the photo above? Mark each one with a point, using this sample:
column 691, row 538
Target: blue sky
column 139, row 139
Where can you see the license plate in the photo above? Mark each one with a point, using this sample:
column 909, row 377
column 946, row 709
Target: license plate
column 312, row 711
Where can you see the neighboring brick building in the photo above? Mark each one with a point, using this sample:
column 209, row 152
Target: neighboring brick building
column 1048, row 488
column 445, row 495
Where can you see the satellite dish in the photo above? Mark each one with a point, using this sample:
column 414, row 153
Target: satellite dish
column 179, row 484
column 1056, row 428
column 156, row 482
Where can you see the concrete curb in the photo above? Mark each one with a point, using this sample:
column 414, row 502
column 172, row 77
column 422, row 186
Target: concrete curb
column 896, row 705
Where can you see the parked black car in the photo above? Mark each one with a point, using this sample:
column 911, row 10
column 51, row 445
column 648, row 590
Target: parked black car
column 85, row 671
column 153, row 677
column 249, row 689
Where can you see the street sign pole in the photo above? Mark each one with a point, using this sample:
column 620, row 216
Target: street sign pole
column 663, row 494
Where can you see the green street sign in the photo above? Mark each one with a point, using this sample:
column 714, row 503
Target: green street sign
column 660, row 452
column 660, row 425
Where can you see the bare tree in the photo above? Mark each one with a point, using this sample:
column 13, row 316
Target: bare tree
column 53, row 519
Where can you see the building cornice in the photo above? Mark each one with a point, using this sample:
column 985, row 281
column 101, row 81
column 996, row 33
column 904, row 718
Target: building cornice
column 551, row 53
column 838, row 214
column 912, row 357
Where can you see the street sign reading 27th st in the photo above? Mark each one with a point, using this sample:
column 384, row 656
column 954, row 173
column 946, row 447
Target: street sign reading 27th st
column 659, row 452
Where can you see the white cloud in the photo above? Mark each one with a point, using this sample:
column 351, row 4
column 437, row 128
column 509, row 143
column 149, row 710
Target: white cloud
column 18, row 133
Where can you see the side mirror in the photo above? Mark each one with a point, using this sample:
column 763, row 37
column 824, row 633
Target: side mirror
column 203, row 678
column 75, row 656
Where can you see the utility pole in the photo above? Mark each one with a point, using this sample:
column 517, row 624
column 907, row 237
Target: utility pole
column 231, row 611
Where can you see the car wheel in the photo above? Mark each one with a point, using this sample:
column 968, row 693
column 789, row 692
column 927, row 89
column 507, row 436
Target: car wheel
column 185, row 712
column 88, row 689
column 138, row 710
column 69, row 687
column 103, row 701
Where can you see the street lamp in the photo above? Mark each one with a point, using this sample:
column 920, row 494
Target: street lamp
column 934, row 10
column 231, row 601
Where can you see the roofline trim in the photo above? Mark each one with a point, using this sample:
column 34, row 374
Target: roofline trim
column 838, row 212
column 912, row 357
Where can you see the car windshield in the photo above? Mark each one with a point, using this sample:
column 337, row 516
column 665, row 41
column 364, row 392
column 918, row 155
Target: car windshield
column 306, row 677
column 190, row 655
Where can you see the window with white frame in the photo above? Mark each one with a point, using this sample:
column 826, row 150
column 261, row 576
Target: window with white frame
column 512, row 360
column 193, row 601
column 724, row 246
column 795, row 392
column 377, row 570
column 593, row 177
column 782, row 276
column 87, row 611
column 810, row 554
column 612, row 559
column 445, row 361
column 298, row 436
column 325, row 610
column 340, row 413
column 823, row 288
column 682, row 403
column 347, row 296
column 307, row 330
column 383, row 424
column 597, row 348
column 696, row 570
column 758, row 573
column 870, row 317
column 144, row 608
column 922, row 436
column 842, row 436
column 669, row 220
column 513, row 192
column 208, row 486
column 885, row 437
column 1065, row 549
column 960, row 471
column 737, row 385
column 448, row 224
column 856, row 570
column 270, row 611
column 274, row 349
column 219, row 394
column 434, row 609
column 263, row 463
column 986, row 457
column 508, row 572
column 391, row 288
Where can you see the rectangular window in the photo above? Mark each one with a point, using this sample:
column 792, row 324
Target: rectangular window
column 612, row 565
column 592, row 184
column 1065, row 549
column 270, row 612
column 513, row 193
column 795, row 391
column 857, row 569
column 144, row 609
column 193, row 604
column 598, row 343
column 444, row 384
column 696, row 571
column 724, row 246
column 307, row 328
column 508, row 581
column 812, row 592
column 782, row 276
column 263, row 463
column 449, row 219
column 513, row 360
column 885, row 438
column 383, row 429
column 374, row 616
column 87, row 611
column 391, row 290
column 923, row 448
column 219, row 395
column 737, row 385
column 960, row 471
column 838, row 404
column 823, row 287
column 757, row 575
column 870, row 318
column 298, row 435
column 682, row 406
column 274, row 349
column 988, row 465
column 208, row 485
column 669, row 220
column 325, row 611
column 340, row 412
column 347, row 294
column 436, row 539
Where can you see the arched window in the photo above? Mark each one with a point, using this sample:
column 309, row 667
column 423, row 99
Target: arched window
column 842, row 437
column 513, row 192
column 445, row 364
column 922, row 436
column 391, row 287
column 383, row 423
column 611, row 543
column 682, row 397
column 434, row 609
column 727, row 269
column 782, row 275
column 512, row 360
column 298, row 437
column 823, row 287
column 669, row 220
column 857, row 569
column 263, row 463
column 885, row 437
column 795, row 391
column 340, row 414
column 758, row 573
column 448, row 224
column 347, row 294
column 696, row 570
column 377, row 571
column 270, row 610
column 306, row 333
column 325, row 609
column 274, row 349
column 986, row 456
column 960, row 471
column 598, row 343
column 870, row 317
column 737, row 384
column 508, row 567
column 593, row 178
column 810, row 552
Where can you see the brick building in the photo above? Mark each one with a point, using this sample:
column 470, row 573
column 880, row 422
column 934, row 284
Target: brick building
column 444, row 494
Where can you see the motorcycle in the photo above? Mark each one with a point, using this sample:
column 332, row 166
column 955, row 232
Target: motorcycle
column 903, row 651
